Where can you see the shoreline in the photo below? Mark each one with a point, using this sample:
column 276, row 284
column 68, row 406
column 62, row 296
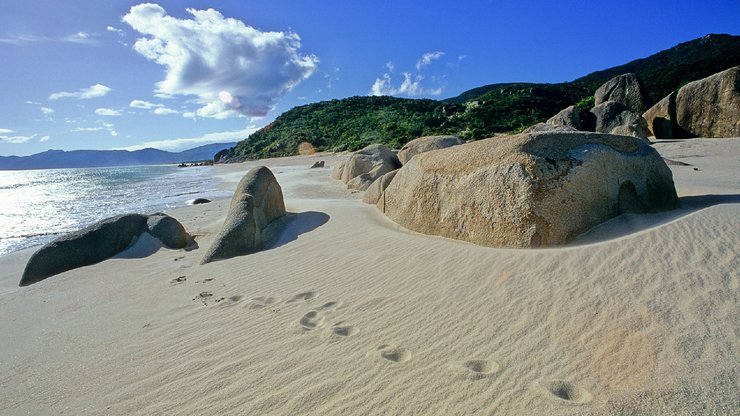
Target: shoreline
column 348, row 313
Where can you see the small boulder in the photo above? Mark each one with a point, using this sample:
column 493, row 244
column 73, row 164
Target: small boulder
column 614, row 118
column 374, row 193
column 365, row 166
column 625, row 89
column 319, row 164
column 567, row 117
column 661, row 118
column 168, row 230
column 528, row 190
column 198, row 201
column 710, row 107
column 87, row 246
column 257, row 201
column 425, row 144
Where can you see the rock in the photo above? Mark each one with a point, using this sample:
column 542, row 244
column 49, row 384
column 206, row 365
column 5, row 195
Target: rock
column 365, row 166
column 319, row 164
column 545, row 127
column 661, row 118
column 568, row 117
column 168, row 230
column 614, row 118
column 425, row 144
column 625, row 89
column 87, row 246
column 257, row 201
column 710, row 107
column 528, row 190
column 374, row 193
column 198, row 201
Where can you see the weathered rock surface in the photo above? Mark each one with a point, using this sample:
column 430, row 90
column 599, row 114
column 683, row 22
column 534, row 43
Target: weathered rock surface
column 168, row 230
column 99, row 242
column 365, row 166
column 567, row 117
column 374, row 193
column 425, row 144
column 546, row 127
column 319, row 164
column 661, row 118
column 529, row 190
column 257, row 201
column 710, row 107
column 625, row 89
column 614, row 118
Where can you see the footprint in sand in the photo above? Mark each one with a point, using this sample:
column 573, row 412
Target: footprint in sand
column 312, row 320
column 303, row 296
column 343, row 330
column 263, row 302
column 565, row 391
column 178, row 280
column 479, row 369
column 394, row 354
column 231, row 300
column 203, row 297
column 329, row 306
column 205, row 280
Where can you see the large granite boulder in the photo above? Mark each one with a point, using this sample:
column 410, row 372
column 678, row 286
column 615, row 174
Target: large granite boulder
column 374, row 193
column 710, row 107
column 625, row 89
column 567, row 117
column 168, row 230
column 661, row 118
column 257, row 201
column 425, row 144
column 365, row 166
column 99, row 242
column 529, row 190
column 614, row 118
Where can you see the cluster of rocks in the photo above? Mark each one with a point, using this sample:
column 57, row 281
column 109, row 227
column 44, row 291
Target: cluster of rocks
column 101, row 241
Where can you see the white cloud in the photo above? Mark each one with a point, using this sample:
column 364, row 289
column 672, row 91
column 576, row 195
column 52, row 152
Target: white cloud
column 16, row 139
column 186, row 143
column 44, row 139
column 47, row 110
column 144, row 104
column 109, row 127
column 107, row 112
column 80, row 37
column 93, row 91
column 411, row 86
column 209, row 55
column 32, row 103
column 5, row 131
column 189, row 114
column 390, row 66
column 115, row 30
column 427, row 59
column 163, row 111
column 78, row 129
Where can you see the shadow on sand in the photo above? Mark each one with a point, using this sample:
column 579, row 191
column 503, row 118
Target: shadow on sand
column 627, row 224
column 292, row 225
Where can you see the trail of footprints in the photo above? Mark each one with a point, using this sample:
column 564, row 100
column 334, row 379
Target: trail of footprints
column 317, row 319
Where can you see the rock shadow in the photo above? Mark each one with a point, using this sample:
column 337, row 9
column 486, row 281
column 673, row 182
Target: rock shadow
column 631, row 223
column 291, row 226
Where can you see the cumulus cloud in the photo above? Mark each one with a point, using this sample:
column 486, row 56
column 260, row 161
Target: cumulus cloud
column 5, row 131
column 427, row 59
column 107, row 112
column 46, row 110
column 44, row 139
column 144, row 104
column 115, row 30
column 93, row 91
column 163, row 111
column 232, row 68
column 188, row 142
column 15, row 139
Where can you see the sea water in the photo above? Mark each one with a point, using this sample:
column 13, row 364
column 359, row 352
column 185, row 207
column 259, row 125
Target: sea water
column 37, row 206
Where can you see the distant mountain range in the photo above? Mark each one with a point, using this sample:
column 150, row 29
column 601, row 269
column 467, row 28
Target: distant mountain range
column 54, row 159
column 355, row 122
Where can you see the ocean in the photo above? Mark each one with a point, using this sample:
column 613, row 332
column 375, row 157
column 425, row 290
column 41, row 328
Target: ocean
column 37, row 206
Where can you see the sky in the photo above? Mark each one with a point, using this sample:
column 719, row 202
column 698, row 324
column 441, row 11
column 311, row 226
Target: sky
column 115, row 74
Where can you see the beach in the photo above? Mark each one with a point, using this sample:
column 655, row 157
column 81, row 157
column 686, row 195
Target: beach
column 350, row 314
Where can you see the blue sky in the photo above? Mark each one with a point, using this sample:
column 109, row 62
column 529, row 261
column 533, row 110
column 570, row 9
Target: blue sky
column 91, row 74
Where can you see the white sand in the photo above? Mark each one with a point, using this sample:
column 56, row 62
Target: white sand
column 352, row 315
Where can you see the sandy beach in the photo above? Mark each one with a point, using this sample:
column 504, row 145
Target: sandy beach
column 350, row 314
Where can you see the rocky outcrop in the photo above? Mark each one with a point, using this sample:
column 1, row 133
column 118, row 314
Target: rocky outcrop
column 568, row 117
column 375, row 192
column 425, row 144
column 529, row 190
column 99, row 242
column 710, row 107
column 625, row 89
column 365, row 166
column 661, row 118
column 614, row 118
column 257, row 201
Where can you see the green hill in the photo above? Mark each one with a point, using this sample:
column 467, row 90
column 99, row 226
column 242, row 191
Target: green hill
column 352, row 123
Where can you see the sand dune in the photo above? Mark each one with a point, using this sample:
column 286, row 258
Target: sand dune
column 349, row 314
